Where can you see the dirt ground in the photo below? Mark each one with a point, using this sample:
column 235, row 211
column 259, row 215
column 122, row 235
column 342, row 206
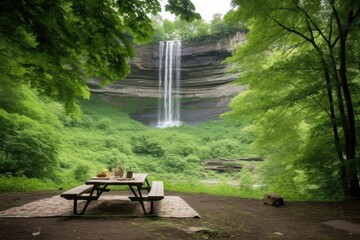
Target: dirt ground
column 221, row 218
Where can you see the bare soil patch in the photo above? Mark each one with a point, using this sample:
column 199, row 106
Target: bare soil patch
column 221, row 218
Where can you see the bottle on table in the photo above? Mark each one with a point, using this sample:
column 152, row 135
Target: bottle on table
column 119, row 171
column 129, row 173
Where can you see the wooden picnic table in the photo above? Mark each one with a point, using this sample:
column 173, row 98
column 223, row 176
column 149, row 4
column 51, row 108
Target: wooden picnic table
column 94, row 187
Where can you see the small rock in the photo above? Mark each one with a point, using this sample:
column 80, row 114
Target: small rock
column 36, row 233
column 279, row 233
column 273, row 199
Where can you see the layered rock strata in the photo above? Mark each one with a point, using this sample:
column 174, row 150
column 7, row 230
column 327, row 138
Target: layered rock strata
column 204, row 75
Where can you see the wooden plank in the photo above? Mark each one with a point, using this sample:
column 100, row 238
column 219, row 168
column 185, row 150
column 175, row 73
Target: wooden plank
column 87, row 197
column 140, row 177
column 156, row 193
column 157, row 190
column 77, row 191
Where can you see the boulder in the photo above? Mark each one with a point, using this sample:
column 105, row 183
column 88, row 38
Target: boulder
column 273, row 199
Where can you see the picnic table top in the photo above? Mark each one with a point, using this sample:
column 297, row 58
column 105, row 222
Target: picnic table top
column 138, row 179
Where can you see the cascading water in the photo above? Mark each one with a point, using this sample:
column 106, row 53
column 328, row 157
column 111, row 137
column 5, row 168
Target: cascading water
column 169, row 84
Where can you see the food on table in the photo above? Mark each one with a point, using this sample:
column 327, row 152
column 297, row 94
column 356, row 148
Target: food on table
column 103, row 173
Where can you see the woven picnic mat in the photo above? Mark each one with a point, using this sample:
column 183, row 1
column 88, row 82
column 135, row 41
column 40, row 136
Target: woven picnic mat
column 106, row 206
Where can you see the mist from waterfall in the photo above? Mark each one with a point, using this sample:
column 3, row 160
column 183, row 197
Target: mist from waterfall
column 169, row 84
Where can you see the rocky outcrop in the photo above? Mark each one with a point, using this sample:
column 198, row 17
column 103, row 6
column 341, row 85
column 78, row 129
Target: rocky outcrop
column 205, row 78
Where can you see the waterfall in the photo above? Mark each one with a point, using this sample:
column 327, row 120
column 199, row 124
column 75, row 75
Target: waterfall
column 169, row 84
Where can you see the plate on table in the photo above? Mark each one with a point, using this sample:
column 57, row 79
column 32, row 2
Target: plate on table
column 100, row 178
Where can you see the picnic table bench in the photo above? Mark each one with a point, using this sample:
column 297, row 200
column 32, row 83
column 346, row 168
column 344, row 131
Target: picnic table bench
column 82, row 192
column 93, row 189
column 156, row 193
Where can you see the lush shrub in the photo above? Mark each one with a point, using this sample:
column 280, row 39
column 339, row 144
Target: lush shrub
column 81, row 172
column 192, row 159
column 224, row 148
column 173, row 163
column 143, row 144
column 22, row 184
column 104, row 124
column 27, row 146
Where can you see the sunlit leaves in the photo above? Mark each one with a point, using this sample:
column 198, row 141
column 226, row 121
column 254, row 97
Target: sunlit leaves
column 27, row 146
column 56, row 45
column 297, row 72
column 183, row 8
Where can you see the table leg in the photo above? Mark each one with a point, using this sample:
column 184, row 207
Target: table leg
column 141, row 201
column 100, row 190
column 147, row 187
column 138, row 196
column 133, row 191
column 84, row 208
column 91, row 197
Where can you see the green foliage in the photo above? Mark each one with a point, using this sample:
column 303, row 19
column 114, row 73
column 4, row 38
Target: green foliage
column 197, row 29
column 321, row 167
column 86, row 150
column 22, row 184
column 103, row 124
column 81, row 173
column 224, row 148
column 185, row 9
column 147, row 144
column 177, row 151
column 159, row 30
column 174, row 163
column 28, row 132
column 182, row 148
column 192, row 159
column 49, row 48
column 246, row 182
column 222, row 189
column 296, row 99
column 53, row 46
column 217, row 24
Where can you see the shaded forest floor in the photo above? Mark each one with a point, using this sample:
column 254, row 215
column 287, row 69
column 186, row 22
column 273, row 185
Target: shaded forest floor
column 221, row 218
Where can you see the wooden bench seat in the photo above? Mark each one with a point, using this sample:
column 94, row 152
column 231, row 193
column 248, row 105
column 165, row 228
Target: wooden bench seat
column 156, row 193
column 76, row 191
column 79, row 193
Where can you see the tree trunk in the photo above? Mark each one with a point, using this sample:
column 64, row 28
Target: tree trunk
column 350, row 134
column 343, row 170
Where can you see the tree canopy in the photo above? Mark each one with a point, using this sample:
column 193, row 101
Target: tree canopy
column 53, row 46
column 48, row 49
column 165, row 29
column 301, row 65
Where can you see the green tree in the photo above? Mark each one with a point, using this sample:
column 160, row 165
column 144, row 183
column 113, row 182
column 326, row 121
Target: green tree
column 217, row 24
column 299, row 58
column 159, row 32
column 28, row 132
column 232, row 22
column 185, row 9
column 48, row 49
column 55, row 45
column 182, row 29
column 227, row 24
column 188, row 30
column 199, row 28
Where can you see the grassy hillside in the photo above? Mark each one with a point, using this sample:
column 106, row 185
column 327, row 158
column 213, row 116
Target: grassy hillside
column 105, row 136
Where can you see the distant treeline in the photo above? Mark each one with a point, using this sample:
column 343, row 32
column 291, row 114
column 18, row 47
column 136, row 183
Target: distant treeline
column 165, row 29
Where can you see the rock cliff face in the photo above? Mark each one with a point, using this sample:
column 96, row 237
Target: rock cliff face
column 206, row 87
